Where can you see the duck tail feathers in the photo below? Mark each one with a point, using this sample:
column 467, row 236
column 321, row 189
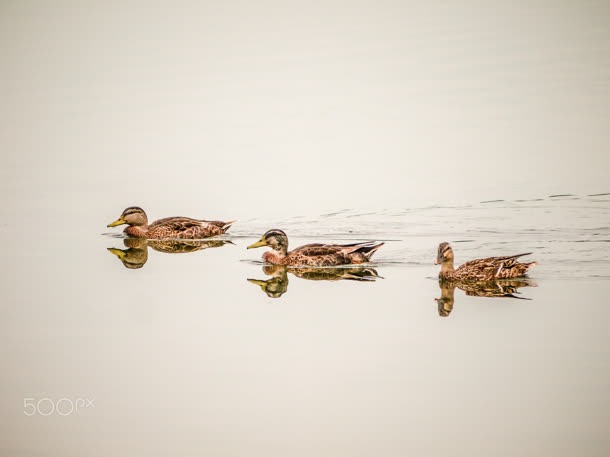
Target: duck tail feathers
column 369, row 249
column 227, row 225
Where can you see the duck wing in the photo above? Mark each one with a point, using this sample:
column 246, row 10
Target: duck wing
column 314, row 250
column 332, row 254
column 333, row 249
column 321, row 255
column 491, row 268
column 185, row 227
column 176, row 223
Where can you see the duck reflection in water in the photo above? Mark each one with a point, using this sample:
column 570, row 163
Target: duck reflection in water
column 277, row 285
column 136, row 254
column 506, row 288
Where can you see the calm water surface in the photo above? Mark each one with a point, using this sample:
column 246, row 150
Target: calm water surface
column 182, row 354
column 335, row 121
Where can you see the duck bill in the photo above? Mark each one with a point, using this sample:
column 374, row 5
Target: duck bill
column 436, row 262
column 258, row 282
column 119, row 221
column 258, row 244
column 117, row 252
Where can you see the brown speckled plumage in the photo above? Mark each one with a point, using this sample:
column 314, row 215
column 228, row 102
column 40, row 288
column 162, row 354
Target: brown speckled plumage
column 170, row 227
column 316, row 255
column 481, row 269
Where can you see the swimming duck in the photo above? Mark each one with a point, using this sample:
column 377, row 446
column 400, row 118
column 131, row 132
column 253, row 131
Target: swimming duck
column 315, row 255
column 170, row 227
column 481, row 269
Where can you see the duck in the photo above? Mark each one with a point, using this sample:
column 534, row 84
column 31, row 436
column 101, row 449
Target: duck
column 481, row 269
column 315, row 255
column 170, row 227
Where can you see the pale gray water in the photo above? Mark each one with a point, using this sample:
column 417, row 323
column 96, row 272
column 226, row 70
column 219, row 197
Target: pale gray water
column 485, row 125
column 183, row 355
